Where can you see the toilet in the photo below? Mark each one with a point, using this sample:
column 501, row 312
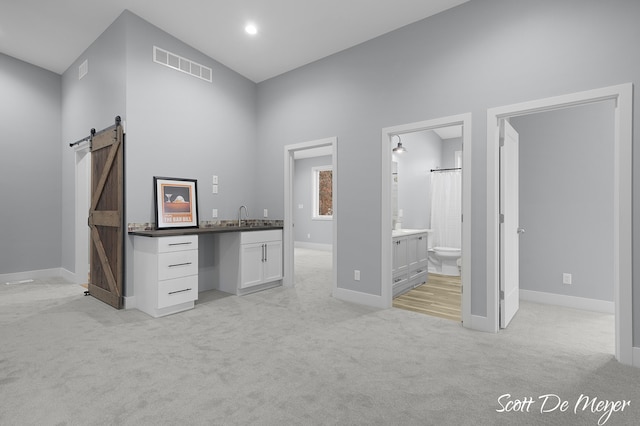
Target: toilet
column 449, row 258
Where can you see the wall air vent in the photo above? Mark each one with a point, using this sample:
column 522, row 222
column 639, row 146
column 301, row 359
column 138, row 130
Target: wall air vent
column 171, row 60
column 83, row 69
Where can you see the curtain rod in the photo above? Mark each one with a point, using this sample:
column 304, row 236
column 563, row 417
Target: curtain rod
column 445, row 170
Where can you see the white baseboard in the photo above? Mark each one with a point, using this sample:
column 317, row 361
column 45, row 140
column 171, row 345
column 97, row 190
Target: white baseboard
column 40, row 273
column 479, row 323
column 636, row 357
column 313, row 246
column 129, row 302
column 359, row 298
column 568, row 301
column 70, row 276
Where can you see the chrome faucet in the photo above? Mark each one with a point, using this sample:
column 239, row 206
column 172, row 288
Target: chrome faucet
column 246, row 214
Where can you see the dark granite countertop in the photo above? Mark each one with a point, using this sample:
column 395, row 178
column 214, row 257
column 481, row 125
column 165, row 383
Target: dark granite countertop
column 201, row 230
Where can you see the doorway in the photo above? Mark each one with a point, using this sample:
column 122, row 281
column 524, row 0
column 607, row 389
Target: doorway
column 293, row 153
column 622, row 190
column 388, row 142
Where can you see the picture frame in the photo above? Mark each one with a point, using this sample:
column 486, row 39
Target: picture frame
column 176, row 202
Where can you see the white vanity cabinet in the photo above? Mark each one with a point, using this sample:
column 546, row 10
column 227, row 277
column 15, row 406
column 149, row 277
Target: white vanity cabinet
column 248, row 261
column 165, row 273
column 410, row 260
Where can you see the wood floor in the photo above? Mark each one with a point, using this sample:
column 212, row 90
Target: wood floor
column 440, row 296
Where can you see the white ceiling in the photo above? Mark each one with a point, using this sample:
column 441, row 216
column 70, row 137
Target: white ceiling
column 52, row 34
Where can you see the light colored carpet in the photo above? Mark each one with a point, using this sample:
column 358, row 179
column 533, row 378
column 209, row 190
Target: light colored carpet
column 294, row 357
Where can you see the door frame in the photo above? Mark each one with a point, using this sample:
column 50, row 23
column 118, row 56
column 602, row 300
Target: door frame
column 623, row 134
column 288, row 279
column 385, row 208
column 83, row 202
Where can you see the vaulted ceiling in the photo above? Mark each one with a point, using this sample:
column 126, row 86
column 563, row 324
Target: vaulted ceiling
column 291, row 33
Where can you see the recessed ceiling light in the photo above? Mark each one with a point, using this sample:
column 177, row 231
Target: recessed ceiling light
column 251, row 29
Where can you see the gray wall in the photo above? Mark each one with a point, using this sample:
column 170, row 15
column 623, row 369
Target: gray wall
column 320, row 231
column 92, row 102
column 30, row 167
column 476, row 56
column 176, row 126
column 424, row 152
column 566, row 200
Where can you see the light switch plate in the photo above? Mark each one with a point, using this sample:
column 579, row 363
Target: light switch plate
column 214, row 213
column 215, row 189
column 266, row 213
column 215, row 180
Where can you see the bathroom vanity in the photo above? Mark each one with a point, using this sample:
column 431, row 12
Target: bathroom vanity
column 410, row 259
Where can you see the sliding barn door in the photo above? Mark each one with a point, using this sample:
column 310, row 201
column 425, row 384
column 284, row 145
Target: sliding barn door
column 106, row 215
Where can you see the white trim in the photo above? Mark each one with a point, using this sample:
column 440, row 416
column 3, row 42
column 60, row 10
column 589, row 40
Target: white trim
column 37, row 274
column 636, row 357
column 82, row 202
column 479, row 323
column 360, row 298
column 289, row 169
column 313, row 246
column 130, row 302
column 385, row 261
column 622, row 278
column 566, row 301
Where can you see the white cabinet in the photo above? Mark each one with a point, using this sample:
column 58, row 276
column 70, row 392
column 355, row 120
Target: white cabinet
column 410, row 261
column 248, row 261
column 165, row 273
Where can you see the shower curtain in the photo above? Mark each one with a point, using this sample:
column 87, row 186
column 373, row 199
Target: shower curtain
column 446, row 209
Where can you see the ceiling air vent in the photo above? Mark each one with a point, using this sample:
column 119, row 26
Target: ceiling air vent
column 83, row 69
column 179, row 63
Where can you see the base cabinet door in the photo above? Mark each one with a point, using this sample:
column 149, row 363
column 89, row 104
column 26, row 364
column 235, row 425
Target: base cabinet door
column 248, row 261
column 251, row 264
column 272, row 266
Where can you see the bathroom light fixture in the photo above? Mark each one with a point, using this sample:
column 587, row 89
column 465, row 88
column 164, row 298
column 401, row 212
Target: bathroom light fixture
column 399, row 149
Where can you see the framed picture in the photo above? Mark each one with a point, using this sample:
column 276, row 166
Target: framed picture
column 176, row 203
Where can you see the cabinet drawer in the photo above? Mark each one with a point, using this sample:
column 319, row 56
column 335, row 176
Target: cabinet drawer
column 177, row 264
column 260, row 236
column 418, row 277
column 177, row 291
column 178, row 243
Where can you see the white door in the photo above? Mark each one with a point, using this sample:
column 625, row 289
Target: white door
column 509, row 226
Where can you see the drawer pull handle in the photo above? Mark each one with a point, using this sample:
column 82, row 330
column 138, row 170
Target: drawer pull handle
column 180, row 264
column 397, row 280
column 179, row 291
column 181, row 244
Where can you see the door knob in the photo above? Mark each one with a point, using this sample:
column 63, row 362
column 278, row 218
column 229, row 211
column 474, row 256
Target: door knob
column 520, row 230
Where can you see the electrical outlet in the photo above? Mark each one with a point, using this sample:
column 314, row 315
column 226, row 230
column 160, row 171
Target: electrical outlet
column 215, row 189
column 308, row 236
column 214, row 213
column 356, row 275
column 215, row 180
column 566, row 278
